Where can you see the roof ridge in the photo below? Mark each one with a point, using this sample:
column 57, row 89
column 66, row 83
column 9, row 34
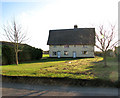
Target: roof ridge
column 70, row 29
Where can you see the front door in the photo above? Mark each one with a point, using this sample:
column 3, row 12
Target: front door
column 58, row 54
column 74, row 54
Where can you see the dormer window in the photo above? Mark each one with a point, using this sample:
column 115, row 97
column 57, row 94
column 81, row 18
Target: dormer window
column 66, row 46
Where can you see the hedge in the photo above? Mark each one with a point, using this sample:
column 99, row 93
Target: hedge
column 29, row 53
column 26, row 53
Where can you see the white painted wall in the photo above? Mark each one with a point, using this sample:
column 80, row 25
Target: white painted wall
column 78, row 49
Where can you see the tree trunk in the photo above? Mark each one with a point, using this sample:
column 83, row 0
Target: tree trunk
column 105, row 62
column 16, row 53
column 16, row 56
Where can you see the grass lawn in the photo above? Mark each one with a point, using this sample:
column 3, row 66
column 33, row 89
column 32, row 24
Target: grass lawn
column 84, row 68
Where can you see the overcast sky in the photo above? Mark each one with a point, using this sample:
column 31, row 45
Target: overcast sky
column 40, row 16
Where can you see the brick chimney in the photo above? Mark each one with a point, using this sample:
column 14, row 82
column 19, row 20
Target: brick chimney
column 75, row 26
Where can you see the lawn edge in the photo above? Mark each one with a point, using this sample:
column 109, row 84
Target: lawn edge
column 60, row 81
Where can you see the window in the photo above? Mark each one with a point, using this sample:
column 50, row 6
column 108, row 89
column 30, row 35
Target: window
column 54, row 46
column 65, row 52
column 84, row 52
column 66, row 46
column 54, row 53
column 84, row 46
column 74, row 45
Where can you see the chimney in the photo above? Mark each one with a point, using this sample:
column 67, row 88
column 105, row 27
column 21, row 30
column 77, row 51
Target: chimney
column 75, row 26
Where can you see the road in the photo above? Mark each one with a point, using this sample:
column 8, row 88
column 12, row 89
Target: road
column 19, row 89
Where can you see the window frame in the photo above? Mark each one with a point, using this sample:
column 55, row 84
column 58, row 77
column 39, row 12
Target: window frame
column 54, row 46
column 84, row 52
column 74, row 45
column 84, row 46
column 66, row 52
column 66, row 46
column 54, row 53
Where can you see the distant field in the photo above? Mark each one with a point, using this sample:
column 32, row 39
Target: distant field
column 84, row 68
column 45, row 55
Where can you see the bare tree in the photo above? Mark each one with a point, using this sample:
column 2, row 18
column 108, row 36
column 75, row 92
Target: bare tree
column 105, row 40
column 15, row 35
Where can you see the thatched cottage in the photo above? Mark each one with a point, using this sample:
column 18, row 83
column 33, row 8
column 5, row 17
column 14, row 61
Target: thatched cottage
column 77, row 42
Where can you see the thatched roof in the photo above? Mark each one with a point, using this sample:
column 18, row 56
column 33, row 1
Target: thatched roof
column 76, row 36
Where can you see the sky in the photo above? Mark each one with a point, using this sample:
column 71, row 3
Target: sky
column 37, row 17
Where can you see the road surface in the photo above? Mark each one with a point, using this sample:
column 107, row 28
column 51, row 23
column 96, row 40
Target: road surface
column 19, row 89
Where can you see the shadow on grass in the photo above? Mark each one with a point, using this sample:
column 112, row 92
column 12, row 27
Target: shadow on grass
column 48, row 59
column 106, row 75
column 60, row 81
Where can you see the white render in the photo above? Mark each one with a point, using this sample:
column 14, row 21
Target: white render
column 78, row 49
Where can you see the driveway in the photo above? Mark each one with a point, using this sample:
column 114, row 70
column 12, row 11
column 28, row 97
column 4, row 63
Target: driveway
column 19, row 89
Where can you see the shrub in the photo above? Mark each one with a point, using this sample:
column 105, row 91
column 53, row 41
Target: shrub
column 36, row 54
column 97, row 53
column 29, row 53
column 0, row 49
column 26, row 53
column 8, row 56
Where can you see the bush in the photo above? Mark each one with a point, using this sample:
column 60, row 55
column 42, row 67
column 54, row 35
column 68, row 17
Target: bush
column 97, row 53
column 119, row 58
column 27, row 53
column 8, row 56
column 0, row 50
column 36, row 54
column 24, row 54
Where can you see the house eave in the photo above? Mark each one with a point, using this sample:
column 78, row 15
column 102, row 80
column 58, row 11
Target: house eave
column 71, row 44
